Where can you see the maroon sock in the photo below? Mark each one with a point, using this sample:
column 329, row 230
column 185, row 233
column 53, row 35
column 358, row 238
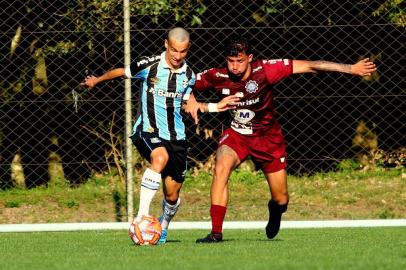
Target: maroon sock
column 217, row 213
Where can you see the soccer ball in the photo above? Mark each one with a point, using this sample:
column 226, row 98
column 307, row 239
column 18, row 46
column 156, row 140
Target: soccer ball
column 145, row 230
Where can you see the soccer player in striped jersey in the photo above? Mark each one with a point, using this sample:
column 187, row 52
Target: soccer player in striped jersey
column 159, row 131
column 254, row 130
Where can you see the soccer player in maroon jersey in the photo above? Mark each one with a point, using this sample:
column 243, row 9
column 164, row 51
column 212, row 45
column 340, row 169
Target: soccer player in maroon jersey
column 254, row 130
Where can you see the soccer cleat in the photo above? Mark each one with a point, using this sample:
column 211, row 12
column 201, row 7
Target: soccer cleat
column 164, row 234
column 275, row 215
column 211, row 238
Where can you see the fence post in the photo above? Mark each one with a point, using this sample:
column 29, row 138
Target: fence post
column 128, row 116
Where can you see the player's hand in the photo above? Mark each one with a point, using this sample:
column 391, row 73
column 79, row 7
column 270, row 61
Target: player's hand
column 363, row 68
column 89, row 82
column 228, row 103
column 193, row 107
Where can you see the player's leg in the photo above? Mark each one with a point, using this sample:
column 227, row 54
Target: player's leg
column 151, row 179
column 174, row 176
column 151, row 148
column 269, row 153
column 278, row 187
column 170, row 205
column 226, row 160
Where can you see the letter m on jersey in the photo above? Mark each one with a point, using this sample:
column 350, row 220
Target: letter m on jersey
column 244, row 115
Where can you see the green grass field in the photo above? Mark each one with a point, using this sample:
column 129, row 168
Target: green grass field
column 350, row 248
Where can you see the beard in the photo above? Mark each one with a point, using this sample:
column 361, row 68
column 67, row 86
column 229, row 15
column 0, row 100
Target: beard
column 234, row 77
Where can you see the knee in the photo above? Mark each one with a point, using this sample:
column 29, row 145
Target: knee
column 172, row 197
column 281, row 198
column 160, row 160
column 221, row 169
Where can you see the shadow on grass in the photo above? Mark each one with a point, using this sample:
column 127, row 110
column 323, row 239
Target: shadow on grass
column 173, row 241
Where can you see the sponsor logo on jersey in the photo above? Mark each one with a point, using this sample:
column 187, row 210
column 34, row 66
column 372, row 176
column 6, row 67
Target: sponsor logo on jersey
column 146, row 60
column 243, row 116
column 239, row 94
column 155, row 140
column 218, row 74
column 185, row 83
column 199, row 75
column 256, row 69
column 163, row 93
column 241, row 128
column 274, row 61
column 251, row 86
column 225, row 91
column 282, row 159
column 248, row 102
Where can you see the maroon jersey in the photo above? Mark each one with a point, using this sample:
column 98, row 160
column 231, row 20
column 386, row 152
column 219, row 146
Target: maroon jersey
column 255, row 112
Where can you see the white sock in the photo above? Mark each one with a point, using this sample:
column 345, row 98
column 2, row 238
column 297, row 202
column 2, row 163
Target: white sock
column 150, row 183
column 169, row 211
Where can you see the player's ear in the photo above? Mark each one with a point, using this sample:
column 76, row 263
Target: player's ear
column 250, row 57
column 166, row 43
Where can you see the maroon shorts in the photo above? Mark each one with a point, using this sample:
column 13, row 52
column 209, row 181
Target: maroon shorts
column 268, row 151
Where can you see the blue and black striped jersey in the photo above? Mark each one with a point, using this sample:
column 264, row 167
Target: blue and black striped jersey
column 162, row 92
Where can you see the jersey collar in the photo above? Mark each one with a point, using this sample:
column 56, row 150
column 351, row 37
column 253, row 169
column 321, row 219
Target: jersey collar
column 165, row 65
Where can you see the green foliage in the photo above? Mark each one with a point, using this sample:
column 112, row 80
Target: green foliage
column 271, row 7
column 246, row 176
column 104, row 14
column 72, row 204
column 349, row 170
column 394, row 10
column 343, row 194
column 386, row 214
column 9, row 88
column 348, row 165
column 13, row 204
column 60, row 49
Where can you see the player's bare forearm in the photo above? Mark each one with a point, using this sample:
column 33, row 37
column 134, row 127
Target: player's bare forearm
column 330, row 66
column 303, row 66
column 361, row 68
column 112, row 74
column 227, row 103
column 91, row 81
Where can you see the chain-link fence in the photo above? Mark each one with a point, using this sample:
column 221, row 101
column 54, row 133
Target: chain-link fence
column 52, row 129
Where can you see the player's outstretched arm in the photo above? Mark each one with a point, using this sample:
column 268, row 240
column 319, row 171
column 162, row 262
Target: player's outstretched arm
column 362, row 68
column 91, row 81
column 193, row 107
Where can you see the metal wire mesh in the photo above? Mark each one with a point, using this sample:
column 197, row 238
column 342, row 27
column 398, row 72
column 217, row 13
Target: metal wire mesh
column 51, row 127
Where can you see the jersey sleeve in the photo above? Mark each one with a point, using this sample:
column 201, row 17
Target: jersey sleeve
column 190, row 86
column 204, row 80
column 137, row 69
column 277, row 69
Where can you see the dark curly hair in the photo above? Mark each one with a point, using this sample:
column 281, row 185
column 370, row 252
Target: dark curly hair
column 237, row 44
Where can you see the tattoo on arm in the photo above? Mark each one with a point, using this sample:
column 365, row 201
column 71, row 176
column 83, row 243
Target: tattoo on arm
column 331, row 66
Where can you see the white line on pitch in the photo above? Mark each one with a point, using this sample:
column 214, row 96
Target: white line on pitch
column 187, row 225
